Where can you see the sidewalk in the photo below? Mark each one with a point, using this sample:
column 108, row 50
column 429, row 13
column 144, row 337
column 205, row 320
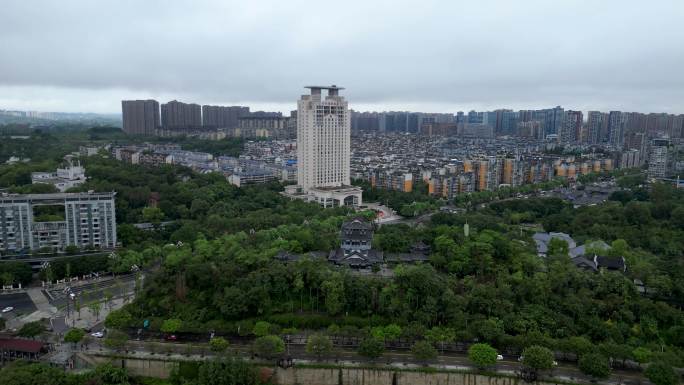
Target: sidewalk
column 88, row 318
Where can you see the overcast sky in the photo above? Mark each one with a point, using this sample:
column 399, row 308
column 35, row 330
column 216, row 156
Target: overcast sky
column 433, row 56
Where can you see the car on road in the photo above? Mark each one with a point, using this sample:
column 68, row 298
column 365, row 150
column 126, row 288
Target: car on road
column 7, row 309
column 171, row 337
column 499, row 357
column 97, row 334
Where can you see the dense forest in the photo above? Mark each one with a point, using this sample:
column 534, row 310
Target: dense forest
column 488, row 286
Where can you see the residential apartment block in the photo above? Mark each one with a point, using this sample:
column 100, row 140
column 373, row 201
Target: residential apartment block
column 83, row 220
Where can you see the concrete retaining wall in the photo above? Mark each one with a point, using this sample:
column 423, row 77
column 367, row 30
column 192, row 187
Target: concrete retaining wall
column 334, row 376
column 352, row 376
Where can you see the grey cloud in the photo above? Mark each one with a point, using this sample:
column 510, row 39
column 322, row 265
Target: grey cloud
column 434, row 55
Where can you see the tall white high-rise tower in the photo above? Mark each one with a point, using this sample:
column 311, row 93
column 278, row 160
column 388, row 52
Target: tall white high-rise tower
column 323, row 149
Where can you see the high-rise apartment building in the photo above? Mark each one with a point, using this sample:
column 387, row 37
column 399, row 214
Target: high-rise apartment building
column 87, row 219
column 658, row 159
column 616, row 127
column 594, row 122
column 553, row 120
column 323, row 149
column 571, row 128
column 223, row 116
column 140, row 117
column 175, row 114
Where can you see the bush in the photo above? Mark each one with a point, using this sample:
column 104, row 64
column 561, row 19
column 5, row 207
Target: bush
column 595, row 365
column 108, row 374
column 218, row 344
column 371, row 347
column 268, row 347
column 171, row 325
column 661, row 373
column 31, row 329
column 538, row 358
column 116, row 339
column 423, row 351
column 229, row 371
column 262, row 328
column 482, row 355
column 74, row 336
column 119, row 319
column 318, row 344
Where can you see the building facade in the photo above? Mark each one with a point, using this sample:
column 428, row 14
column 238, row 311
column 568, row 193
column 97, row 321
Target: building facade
column 223, row 116
column 572, row 127
column 658, row 160
column 616, row 127
column 175, row 114
column 140, row 117
column 323, row 149
column 263, row 127
column 87, row 220
column 593, row 129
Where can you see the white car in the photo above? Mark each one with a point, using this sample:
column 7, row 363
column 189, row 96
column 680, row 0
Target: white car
column 97, row 334
column 499, row 357
column 7, row 309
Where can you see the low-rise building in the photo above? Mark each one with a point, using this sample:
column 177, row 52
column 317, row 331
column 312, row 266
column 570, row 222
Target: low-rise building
column 356, row 239
column 72, row 174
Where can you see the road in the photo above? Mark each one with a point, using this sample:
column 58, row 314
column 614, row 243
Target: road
column 411, row 221
column 21, row 302
column 96, row 290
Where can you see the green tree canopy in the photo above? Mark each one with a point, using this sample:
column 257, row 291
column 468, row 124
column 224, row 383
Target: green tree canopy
column 230, row 371
column 660, row 373
column 25, row 373
column 74, row 335
column 261, row 328
column 482, row 355
column 537, row 358
column 32, row 329
column 595, row 365
column 116, row 339
column 269, row 347
column 423, row 351
column 171, row 325
column 372, row 347
column 642, row 355
column 119, row 319
column 318, row 344
column 218, row 344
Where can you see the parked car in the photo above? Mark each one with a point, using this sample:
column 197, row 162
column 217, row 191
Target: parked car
column 97, row 334
column 499, row 357
column 7, row 309
column 171, row 337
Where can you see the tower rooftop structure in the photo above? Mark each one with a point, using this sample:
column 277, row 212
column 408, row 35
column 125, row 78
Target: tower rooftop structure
column 333, row 90
column 332, row 87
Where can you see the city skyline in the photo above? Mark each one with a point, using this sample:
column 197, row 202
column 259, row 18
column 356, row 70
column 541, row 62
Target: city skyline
column 287, row 108
column 431, row 57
